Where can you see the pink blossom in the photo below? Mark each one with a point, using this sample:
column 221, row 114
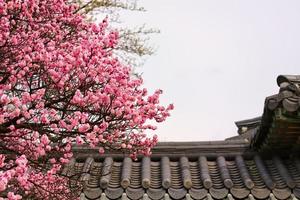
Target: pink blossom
column 68, row 147
column 101, row 150
column 83, row 128
column 12, row 196
column 45, row 140
column 4, row 99
column 79, row 140
column 64, row 88
column 40, row 151
column 3, row 183
column 2, row 158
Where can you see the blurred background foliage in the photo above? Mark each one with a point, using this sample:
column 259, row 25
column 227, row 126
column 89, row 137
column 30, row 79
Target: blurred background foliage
column 134, row 42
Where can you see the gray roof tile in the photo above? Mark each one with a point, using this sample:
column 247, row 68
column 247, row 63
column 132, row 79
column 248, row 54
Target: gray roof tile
column 239, row 177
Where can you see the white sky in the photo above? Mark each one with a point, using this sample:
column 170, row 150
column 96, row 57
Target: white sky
column 217, row 60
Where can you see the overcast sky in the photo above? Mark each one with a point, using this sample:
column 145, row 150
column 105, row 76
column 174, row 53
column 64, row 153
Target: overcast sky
column 217, row 60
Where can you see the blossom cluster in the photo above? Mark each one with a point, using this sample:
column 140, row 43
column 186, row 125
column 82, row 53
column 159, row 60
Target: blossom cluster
column 60, row 85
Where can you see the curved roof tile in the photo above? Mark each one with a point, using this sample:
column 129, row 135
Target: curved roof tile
column 250, row 177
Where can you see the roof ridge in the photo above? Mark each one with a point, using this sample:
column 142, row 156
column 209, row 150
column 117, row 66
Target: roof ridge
column 280, row 123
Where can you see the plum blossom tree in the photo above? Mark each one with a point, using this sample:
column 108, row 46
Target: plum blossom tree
column 60, row 85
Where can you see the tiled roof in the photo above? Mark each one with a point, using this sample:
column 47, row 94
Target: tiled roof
column 280, row 124
column 246, row 125
column 262, row 162
column 181, row 175
column 247, row 129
